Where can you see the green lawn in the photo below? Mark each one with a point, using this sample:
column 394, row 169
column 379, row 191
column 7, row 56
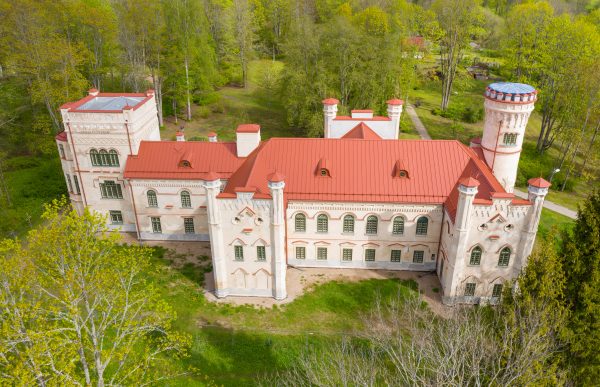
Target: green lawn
column 233, row 345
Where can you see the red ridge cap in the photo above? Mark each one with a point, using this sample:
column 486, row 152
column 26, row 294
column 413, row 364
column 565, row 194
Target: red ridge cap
column 276, row 177
column 469, row 182
column 539, row 182
column 248, row 128
column 395, row 102
column 330, row 101
column 62, row 136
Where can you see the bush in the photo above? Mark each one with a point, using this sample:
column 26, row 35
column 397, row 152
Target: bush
column 202, row 112
column 460, row 113
column 206, row 98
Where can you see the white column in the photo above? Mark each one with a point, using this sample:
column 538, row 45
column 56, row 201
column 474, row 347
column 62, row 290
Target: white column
column 278, row 240
column 394, row 111
column 329, row 113
column 215, row 229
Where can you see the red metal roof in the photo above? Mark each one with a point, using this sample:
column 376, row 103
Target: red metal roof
column 362, row 111
column 395, row 102
column 62, row 136
column 160, row 160
column 376, row 118
column 362, row 131
column 469, row 182
column 330, row 101
column 363, row 171
column 539, row 182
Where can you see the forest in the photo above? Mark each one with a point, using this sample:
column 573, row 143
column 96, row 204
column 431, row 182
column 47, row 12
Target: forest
column 216, row 63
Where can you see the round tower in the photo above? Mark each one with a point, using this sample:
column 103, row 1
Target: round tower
column 507, row 109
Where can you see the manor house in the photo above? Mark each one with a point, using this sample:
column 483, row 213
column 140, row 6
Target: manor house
column 358, row 198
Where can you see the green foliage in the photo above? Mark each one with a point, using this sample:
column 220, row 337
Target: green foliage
column 78, row 309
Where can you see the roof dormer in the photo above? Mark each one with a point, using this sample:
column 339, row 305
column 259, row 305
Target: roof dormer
column 400, row 170
column 324, row 168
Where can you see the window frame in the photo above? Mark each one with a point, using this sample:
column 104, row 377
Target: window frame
column 393, row 257
column 367, row 253
column 113, row 214
column 470, row 288
column 348, row 224
column 321, row 249
column 322, row 223
column 69, row 184
column 261, row 253
column 504, row 257
column 238, row 253
column 154, row 201
column 422, row 226
column 346, row 253
column 186, row 199
column 418, row 256
column 111, row 190
column 300, row 220
column 475, row 256
column 303, row 254
column 61, row 151
column 76, row 183
column 398, row 225
column 372, row 226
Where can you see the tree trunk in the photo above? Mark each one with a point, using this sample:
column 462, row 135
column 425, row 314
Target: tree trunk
column 175, row 109
column 589, row 150
column 188, row 112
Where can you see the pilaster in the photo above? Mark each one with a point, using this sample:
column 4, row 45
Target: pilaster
column 215, row 230
column 276, row 186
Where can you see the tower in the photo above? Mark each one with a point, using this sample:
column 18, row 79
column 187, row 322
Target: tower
column 507, row 109
column 212, row 184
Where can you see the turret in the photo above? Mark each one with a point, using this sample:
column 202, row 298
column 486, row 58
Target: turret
column 537, row 189
column 276, row 185
column 507, row 110
column 212, row 184
column 329, row 114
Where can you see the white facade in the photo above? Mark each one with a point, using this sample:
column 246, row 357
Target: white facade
column 475, row 243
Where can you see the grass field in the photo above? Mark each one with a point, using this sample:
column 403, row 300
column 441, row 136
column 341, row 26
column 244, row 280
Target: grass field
column 234, row 345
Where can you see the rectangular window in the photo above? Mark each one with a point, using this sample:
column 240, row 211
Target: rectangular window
column 156, row 226
column 69, row 183
column 61, row 150
column 116, row 217
column 239, row 253
column 322, row 223
column 497, row 291
column 370, row 255
column 76, row 181
column 261, row 253
column 510, row 139
column 188, row 225
column 322, row 253
column 300, row 252
column 470, row 289
column 110, row 190
column 347, row 255
column 348, row 224
column 396, row 255
column 300, row 223
column 418, row 256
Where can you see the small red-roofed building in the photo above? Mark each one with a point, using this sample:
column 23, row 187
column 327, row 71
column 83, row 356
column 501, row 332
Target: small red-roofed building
column 359, row 198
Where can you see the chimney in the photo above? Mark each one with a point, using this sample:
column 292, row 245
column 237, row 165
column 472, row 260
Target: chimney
column 93, row 92
column 212, row 137
column 180, row 136
column 247, row 139
column 394, row 111
column 329, row 114
column 149, row 92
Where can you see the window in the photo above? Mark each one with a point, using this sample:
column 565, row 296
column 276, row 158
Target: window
column 504, row 258
column 475, row 256
column 348, row 224
column 94, row 157
column 422, row 224
column 346, row 255
column 261, row 253
column 370, row 255
column 69, row 183
column 398, row 226
column 418, row 256
column 113, row 158
column 110, row 190
column 497, row 291
column 152, row 200
column 324, row 172
column 186, row 201
column 76, row 181
column 103, row 158
column 396, row 255
column 300, row 252
column 185, row 164
column 300, row 223
column 156, row 226
column 321, row 253
column 188, row 225
column 372, row 225
column 470, row 289
column 61, row 151
column 510, row 139
column 238, row 253
column 116, row 217
column 322, row 223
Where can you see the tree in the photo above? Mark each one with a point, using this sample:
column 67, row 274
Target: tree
column 77, row 307
column 244, row 34
column 460, row 21
column 581, row 255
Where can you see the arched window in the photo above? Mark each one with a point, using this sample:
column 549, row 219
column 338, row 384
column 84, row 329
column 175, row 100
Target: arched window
column 186, row 201
column 94, row 157
column 152, row 200
column 322, row 223
column 422, row 225
column 113, row 158
column 103, row 154
column 398, row 226
column 504, row 257
column 300, row 223
column 348, row 223
column 475, row 256
column 372, row 225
